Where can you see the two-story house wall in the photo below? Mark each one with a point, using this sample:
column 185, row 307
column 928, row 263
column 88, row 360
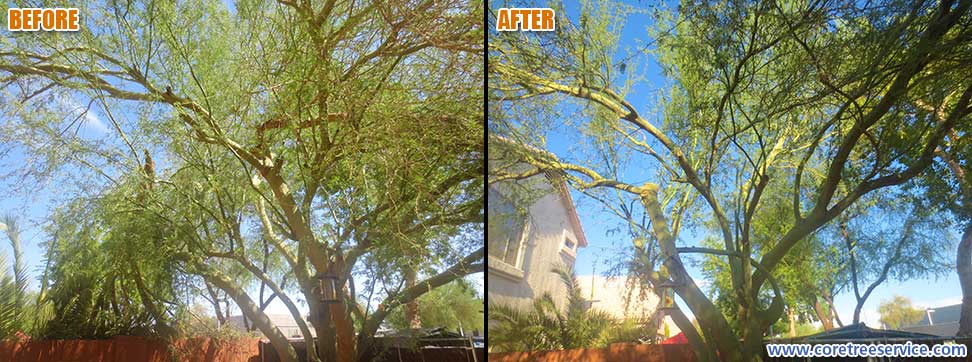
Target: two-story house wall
column 526, row 242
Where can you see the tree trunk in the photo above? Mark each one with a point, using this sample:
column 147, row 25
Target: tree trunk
column 219, row 311
column 412, row 307
column 717, row 332
column 964, row 268
column 278, row 292
column 250, row 309
column 161, row 324
column 833, row 312
column 343, row 332
column 963, row 263
column 792, row 315
column 335, row 332
column 692, row 335
column 823, row 314
column 320, row 317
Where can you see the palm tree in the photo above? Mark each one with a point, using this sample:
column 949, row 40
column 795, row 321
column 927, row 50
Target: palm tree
column 11, row 226
column 545, row 327
column 12, row 289
column 19, row 312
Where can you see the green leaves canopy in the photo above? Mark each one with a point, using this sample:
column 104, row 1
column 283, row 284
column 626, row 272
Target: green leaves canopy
column 818, row 99
column 315, row 127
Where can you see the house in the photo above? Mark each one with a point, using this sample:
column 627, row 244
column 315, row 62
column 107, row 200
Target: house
column 532, row 228
column 941, row 321
column 285, row 322
column 625, row 301
column 856, row 333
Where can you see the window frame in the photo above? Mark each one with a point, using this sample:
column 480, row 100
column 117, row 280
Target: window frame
column 564, row 249
column 504, row 267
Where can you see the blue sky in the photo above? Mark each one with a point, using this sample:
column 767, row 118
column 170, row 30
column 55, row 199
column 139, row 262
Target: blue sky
column 605, row 244
column 33, row 208
column 30, row 207
column 33, row 205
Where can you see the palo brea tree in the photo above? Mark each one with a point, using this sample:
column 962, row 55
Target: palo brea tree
column 899, row 237
column 781, row 89
column 897, row 312
column 454, row 306
column 950, row 185
column 315, row 126
column 897, row 234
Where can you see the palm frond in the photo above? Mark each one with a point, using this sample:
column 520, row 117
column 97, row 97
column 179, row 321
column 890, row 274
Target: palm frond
column 12, row 228
column 547, row 327
column 10, row 309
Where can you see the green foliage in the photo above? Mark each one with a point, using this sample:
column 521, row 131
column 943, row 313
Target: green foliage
column 781, row 329
column 897, row 229
column 289, row 140
column 898, row 312
column 10, row 310
column 21, row 311
column 547, row 327
column 791, row 112
column 100, row 286
column 451, row 306
column 810, row 268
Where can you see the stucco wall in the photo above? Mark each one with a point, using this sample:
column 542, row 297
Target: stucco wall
column 621, row 301
column 612, row 296
column 548, row 224
column 122, row 349
column 619, row 352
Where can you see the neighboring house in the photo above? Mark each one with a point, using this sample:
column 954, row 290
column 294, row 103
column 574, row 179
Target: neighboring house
column 621, row 301
column 941, row 321
column 285, row 322
column 527, row 241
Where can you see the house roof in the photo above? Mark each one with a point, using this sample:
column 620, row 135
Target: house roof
column 282, row 321
column 946, row 329
column 860, row 332
column 944, row 321
column 939, row 315
column 558, row 182
column 568, row 201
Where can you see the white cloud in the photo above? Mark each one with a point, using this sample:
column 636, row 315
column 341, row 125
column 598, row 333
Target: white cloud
column 92, row 121
column 871, row 318
column 89, row 120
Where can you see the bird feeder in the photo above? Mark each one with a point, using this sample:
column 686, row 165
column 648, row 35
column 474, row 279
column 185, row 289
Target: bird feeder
column 667, row 294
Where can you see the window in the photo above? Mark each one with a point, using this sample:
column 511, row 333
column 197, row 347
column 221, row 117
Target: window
column 568, row 246
column 505, row 228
